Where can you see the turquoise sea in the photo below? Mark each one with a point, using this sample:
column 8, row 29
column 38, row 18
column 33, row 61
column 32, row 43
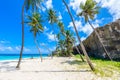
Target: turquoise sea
column 16, row 56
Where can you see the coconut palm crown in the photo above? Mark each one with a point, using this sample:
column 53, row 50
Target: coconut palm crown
column 52, row 17
column 89, row 10
column 35, row 23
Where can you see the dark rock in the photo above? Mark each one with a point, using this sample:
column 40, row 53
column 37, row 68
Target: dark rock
column 110, row 36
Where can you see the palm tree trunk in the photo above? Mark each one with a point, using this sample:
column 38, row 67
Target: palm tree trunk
column 81, row 44
column 38, row 49
column 22, row 46
column 79, row 53
column 100, row 40
column 54, row 38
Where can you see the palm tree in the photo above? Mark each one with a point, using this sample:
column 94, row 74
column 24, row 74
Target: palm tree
column 34, row 22
column 61, row 26
column 61, row 45
column 81, row 44
column 69, row 43
column 89, row 10
column 27, row 4
column 21, row 51
column 52, row 18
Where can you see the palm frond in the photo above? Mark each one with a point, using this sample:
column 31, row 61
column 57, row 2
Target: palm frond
column 89, row 9
column 35, row 23
column 52, row 18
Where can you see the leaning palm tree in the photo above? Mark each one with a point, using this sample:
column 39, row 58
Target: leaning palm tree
column 61, row 26
column 89, row 10
column 69, row 43
column 34, row 22
column 52, row 18
column 81, row 44
column 27, row 4
column 61, row 45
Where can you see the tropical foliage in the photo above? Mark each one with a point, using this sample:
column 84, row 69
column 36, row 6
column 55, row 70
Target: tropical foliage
column 65, row 44
column 35, row 22
column 52, row 17
column 89, row 10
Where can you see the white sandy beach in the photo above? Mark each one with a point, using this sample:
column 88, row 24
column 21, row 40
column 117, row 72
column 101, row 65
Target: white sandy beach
column 50, row 69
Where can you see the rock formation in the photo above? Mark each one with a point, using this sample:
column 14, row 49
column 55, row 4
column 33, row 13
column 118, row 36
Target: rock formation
column 110, row 36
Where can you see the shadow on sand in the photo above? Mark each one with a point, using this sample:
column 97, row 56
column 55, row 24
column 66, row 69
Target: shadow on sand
column 78, row 62
column 7, row 66
column 58, row 71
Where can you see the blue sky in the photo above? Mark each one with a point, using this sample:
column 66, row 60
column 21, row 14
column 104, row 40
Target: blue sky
column 10, row 23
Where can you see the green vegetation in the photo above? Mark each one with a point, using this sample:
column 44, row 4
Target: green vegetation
column 35, row 22
column 65, row 43
column 104, row 68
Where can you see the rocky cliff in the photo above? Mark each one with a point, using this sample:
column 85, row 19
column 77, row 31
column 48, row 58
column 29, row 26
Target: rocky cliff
column 110, row 36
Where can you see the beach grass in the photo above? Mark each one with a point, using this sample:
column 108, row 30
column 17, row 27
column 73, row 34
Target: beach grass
column 104, row 68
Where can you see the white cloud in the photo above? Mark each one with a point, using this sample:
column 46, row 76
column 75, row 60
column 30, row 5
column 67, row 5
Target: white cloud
column 113, row 7
column 42, row 8
column 27, row 49
column 59, row 16
column 17, row 48
column 85, row 29
column 51, row 36
column 75, row 5
column 4, row 42
column 83, row 38
column 43, row 44
column 46, row 29
column 9, row 48
column 48, row 4
column 6, row 48
column 53, row 48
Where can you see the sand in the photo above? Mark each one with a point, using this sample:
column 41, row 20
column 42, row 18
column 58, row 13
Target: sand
column 57, row 68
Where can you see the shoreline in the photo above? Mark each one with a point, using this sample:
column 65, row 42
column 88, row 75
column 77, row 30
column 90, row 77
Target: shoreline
column 22, row 59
